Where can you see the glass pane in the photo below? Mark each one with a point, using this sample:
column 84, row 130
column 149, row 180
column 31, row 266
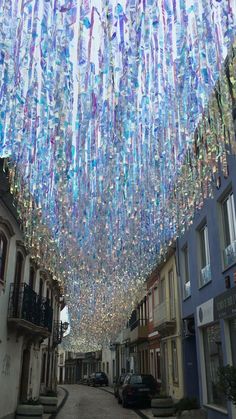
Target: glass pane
column 226, row 223
column 232, row 221
column 213, row 360
column 186, row 265
column 203, row 248
column 136, row 379
column 232, row 327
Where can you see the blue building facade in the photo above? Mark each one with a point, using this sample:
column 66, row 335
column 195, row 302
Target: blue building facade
column 207, row 272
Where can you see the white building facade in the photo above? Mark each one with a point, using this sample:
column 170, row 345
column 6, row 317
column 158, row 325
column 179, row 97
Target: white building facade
column 29, row 309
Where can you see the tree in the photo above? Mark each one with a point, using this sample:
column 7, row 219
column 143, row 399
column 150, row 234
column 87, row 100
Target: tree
column 227, row 382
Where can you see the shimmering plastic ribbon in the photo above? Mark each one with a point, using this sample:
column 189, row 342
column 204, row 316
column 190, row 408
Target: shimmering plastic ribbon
column 115, row 116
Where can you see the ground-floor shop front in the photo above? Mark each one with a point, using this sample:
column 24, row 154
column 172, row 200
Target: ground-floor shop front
column 216, row 347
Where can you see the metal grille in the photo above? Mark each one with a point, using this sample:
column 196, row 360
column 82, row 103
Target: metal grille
column 26, row 304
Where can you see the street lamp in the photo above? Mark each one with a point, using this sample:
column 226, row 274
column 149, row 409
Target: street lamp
column 64, row 327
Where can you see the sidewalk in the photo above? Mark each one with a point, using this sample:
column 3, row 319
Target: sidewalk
column 145, row 412
column 60, row 395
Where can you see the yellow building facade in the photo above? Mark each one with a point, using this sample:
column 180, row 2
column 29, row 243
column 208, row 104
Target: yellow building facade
column 167, row 321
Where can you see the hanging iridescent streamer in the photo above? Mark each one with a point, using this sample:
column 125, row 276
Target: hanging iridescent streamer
column 109, row 115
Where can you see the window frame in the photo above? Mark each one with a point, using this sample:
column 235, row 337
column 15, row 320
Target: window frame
column 172, row 293
column 231, row 222
column 206, row 363
column 7, row 230
column 5, row 248
column 204, row 255
column 150, row 306
column 162, row 290
column 228, row 228
column 186, row 271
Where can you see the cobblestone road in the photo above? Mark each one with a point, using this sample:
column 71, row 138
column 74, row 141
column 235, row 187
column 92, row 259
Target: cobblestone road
column 93, row 403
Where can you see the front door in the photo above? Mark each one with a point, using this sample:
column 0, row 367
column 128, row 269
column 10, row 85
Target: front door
column 25, row 375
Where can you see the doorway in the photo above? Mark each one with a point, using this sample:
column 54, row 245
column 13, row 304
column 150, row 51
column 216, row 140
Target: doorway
column 25, row 375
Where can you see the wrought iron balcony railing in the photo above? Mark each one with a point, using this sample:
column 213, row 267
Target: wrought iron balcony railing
column 57, row 332
column 26, row 304
column 229, row 254
column 137, row 323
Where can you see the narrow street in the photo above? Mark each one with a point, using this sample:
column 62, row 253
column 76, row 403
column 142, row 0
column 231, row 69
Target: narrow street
column 96, row 403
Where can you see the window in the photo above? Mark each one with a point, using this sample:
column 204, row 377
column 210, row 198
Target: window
column 41, row 287
column 43, row 370
column 150, row 307
column 172, row 294
column 232, row 329
column 229, row 230
column 205, row 271
column 187, row 287
column 32, row 278
column 17, row 282
column 156, row 299
column 213, row 360
column 162, row 291
column 113, row 369
column 107, row 367
column 3, row 254
column 174, row 362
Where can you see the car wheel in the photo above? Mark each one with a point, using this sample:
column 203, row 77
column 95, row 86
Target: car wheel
column 124, row 402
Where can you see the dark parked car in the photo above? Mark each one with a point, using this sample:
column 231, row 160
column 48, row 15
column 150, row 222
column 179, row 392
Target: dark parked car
column 118, row 383
column 138, row 388
column 98, row 378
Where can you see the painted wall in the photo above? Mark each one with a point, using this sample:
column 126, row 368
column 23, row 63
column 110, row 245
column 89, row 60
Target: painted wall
column 12, row 341
column 210, row 212
column 174, row 388
column 109, row 357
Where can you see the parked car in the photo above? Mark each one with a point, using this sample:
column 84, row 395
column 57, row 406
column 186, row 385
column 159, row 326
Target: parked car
column 98, row 378
column 118, row 383
column 138, row 388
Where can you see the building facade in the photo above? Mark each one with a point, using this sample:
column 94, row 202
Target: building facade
column 167, row 321
column 207, row 267
column 30, row 303
column 153, row 334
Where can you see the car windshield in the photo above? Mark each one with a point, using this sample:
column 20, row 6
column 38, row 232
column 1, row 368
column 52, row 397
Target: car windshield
column 142, row 379
column 99, row 374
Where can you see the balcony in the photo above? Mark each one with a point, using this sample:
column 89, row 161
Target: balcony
column 229, row 254
column 138, row 330
column 28, row 312
column 57, row 333
column 162, row 321
column 126, row 334
column 205, row 275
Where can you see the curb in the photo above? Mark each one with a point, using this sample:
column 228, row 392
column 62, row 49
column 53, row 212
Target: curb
column 137, row 411
column 54, row 415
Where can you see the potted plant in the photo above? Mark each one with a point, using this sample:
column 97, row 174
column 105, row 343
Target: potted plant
column 29, row 408
column 227, row 382
column 162, row 405
column 49, row 401
column 188, row 407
